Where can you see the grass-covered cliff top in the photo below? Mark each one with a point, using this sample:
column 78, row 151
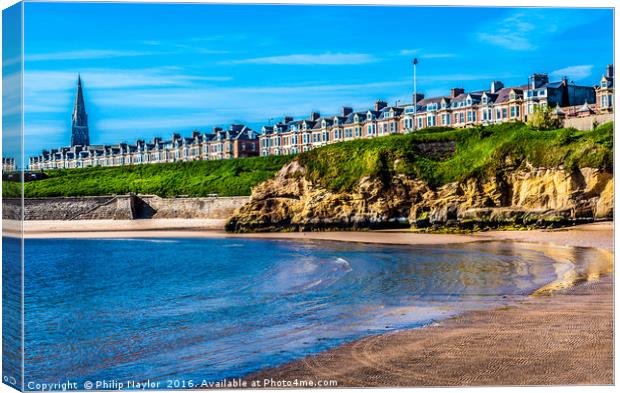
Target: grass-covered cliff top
column 479, row 152
column 196, row 178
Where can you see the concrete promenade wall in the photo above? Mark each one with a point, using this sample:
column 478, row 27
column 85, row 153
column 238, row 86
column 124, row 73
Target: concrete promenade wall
column 73, row 208
column 122, row 207
column 207, row 207
column 587, row 123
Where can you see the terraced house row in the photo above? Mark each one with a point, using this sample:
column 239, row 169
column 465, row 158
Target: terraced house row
column 459, row 109
column 237, row 141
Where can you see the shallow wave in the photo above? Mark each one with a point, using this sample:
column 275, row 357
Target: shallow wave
column 138, row 240
column 306, row 273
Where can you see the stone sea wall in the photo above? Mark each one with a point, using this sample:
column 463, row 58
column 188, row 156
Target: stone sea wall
column 587, row 123
column 122, row 207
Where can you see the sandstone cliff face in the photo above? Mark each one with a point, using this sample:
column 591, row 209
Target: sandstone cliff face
column 532, row 196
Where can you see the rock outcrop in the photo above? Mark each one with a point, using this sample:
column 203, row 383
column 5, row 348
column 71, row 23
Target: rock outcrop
column 529, row 197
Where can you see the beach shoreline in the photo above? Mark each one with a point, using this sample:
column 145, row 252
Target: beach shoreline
column 598, row 235
column 562, row 337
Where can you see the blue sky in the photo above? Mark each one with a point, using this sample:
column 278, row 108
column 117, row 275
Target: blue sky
column 149, row 70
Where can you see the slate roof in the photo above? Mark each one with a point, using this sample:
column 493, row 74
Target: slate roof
column 351, row 117
column 319, row 122
column 503, row 95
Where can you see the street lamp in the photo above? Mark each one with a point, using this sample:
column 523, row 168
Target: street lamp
column 415, row 94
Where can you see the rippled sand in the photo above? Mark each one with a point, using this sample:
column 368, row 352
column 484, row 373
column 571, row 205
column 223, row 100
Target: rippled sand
column 562, row 337
column 566, row 338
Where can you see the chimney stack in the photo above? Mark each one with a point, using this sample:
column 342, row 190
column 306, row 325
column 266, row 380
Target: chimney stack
column 314, row 116
column 609, row 72
column 496, row 86
column 380, row 105
column 537, row 80
column 346, row 110
column 288, row 119
column 418, row 97
column 456, row 91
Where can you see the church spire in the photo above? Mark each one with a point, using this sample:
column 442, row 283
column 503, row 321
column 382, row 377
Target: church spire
column 79, row 120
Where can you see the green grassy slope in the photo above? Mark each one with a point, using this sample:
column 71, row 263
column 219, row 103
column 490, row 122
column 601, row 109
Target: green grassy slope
column 479, row 151
column 197, row 178
column 11, row 189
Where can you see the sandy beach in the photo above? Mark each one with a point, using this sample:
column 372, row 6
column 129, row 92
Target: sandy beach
column 562, row 337
column 599, row 235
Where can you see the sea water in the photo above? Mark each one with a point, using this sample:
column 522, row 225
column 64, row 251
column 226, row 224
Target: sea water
column 207, row 309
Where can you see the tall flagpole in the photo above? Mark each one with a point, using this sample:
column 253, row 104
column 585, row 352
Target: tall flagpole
column 415, row 95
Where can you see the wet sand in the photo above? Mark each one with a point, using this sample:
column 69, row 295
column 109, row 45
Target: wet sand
column 565, row 338
column 562, row 337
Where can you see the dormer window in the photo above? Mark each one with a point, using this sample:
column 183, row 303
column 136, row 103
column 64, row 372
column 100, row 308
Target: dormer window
column 512, row 96
column 357, row 119
column 484, row 99
column 335, row 120
column 323, row 124
column 469, row 101
column 369, row 116
column 603, row 84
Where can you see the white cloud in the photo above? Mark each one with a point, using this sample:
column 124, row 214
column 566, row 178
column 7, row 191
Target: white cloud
column 11, row 61
column 423, row 55
column 327, row 58
column 46, row 129
column 509, row 40
column 529, row 29
column 85, row 54
column 95, row 54
column 11, row 94
column 38, row 81
column 437, row 55
column 456, row 78
column 408, row 52
column 576, row 72
column 514, row 32
column 161, row 122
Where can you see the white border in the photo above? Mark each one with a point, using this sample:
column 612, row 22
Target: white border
column 462, row 3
